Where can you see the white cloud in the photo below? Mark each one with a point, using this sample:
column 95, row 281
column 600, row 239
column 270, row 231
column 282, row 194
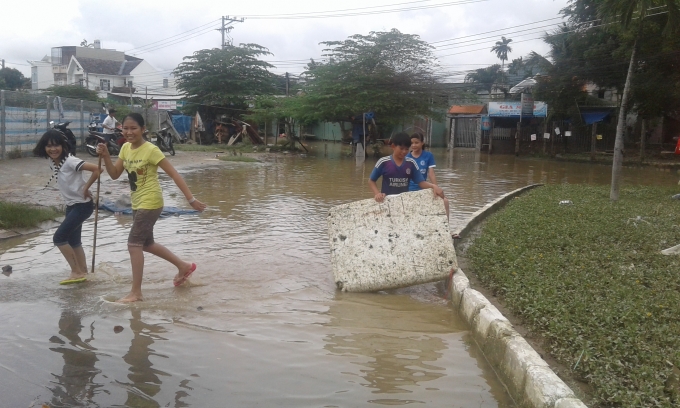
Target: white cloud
column 129, row 25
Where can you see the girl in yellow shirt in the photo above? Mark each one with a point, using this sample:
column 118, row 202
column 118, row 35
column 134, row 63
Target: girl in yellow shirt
column 141, row 160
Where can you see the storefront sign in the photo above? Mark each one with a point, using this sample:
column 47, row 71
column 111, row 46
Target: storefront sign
column 513, row 109
column 486, row 123
column 167, row 105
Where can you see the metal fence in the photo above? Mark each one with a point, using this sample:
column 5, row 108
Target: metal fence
column 24, row 117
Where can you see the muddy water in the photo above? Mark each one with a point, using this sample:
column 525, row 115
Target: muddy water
column 261, row 324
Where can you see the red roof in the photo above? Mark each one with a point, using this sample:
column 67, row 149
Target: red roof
column 467, row 109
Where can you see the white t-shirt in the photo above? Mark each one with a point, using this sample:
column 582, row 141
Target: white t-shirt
column 110, row 122
column 70, row 181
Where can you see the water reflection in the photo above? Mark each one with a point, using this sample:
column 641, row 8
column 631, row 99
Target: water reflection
column 396, row 346
column 76, row 384
column 144, row 379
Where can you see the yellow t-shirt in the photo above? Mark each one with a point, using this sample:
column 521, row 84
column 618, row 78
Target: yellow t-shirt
column 142, row 167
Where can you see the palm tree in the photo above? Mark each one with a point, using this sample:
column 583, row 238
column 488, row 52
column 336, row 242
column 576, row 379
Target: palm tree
column 502, row 49
column 623, row 12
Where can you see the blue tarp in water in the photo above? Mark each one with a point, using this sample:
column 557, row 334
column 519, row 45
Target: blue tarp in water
column 167, row 211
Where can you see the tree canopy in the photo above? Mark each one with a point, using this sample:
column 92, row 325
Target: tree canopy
column 489, row 78
column 12, row 79
column 221, row 81
column 390, row 73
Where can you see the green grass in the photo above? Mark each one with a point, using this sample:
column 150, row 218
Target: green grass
column 14, row 215
column 201, row 148
column 590, row 280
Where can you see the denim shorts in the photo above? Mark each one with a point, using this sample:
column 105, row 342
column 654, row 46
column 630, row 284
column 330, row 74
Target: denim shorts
column 71, row 228
column 141, row 233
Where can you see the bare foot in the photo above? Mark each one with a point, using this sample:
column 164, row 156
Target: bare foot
column 131, row 298
column 184, row 273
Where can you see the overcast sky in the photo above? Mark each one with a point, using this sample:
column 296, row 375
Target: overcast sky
column 163, row 32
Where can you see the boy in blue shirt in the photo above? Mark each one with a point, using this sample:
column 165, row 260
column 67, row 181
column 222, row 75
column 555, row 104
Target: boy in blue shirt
column 397, row 171
column 426, row 164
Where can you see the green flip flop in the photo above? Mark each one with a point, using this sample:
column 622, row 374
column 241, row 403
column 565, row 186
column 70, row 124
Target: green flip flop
column 71, row 281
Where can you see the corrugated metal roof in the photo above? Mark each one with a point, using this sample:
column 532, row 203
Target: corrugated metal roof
column 467, row 109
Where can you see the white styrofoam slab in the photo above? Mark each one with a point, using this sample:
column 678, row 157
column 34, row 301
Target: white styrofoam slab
column 401, row 242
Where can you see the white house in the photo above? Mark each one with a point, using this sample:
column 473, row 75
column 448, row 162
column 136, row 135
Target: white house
column 109, row 72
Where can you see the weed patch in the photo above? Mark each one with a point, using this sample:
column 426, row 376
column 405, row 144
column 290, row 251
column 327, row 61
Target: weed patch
column 14, row 215
column 590, row 279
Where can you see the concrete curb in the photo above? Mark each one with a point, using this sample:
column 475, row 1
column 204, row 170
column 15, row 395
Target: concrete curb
column 478, row 216
column 527, row 377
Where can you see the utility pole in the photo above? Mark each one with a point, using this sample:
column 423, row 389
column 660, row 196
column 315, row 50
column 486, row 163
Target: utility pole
column 3, row 64
column 226, row 27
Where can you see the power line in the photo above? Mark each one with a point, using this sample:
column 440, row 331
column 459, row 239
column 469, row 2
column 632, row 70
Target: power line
column 176, row 35
column 351, row 14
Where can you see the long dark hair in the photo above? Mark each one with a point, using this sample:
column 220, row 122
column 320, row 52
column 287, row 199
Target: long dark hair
column 54, row 137
column 420, row 137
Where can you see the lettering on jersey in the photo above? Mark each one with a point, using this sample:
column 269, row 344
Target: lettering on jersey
column 398, row 182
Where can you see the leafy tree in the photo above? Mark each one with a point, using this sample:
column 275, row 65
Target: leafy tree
column 13, row 79
column 489, row 79
column 502, row 48
column 221, row 81
column 73, row 92
column 637, row 37
column 623, row 11
column 390, row 73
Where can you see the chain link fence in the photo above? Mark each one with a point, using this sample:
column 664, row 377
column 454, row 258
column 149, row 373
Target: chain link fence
column 24, row 117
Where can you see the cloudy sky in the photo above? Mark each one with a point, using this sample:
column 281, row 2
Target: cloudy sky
column 163, row 32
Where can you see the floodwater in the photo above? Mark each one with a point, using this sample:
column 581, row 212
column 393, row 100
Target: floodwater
column 261, row 323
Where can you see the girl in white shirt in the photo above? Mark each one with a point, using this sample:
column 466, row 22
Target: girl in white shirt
column 67, row 172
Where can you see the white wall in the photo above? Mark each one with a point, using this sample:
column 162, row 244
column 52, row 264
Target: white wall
column 45, row 78
column 146, row 76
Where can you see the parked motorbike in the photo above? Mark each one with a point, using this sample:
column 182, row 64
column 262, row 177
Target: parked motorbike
column 113, row 142
column 70, row 137
column 163, row 139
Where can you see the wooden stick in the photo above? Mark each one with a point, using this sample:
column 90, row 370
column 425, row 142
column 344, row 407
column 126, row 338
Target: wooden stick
column 96, row 212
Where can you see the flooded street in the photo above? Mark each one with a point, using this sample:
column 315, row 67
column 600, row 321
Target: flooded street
column 262, row 323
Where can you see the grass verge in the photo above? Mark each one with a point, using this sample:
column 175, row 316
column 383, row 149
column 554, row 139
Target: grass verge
column 589, row 278
column 238, row 159
column 14, row 215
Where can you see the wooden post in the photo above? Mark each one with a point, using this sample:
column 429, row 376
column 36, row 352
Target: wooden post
column 491, row 137
column 519, row 129
column 82, row 125
column 593, row 142
column 545, row 130
column 47, row 123
column 553, row 135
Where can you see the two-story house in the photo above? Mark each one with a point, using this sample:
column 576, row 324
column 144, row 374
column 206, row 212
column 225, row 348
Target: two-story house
column 107, row 71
